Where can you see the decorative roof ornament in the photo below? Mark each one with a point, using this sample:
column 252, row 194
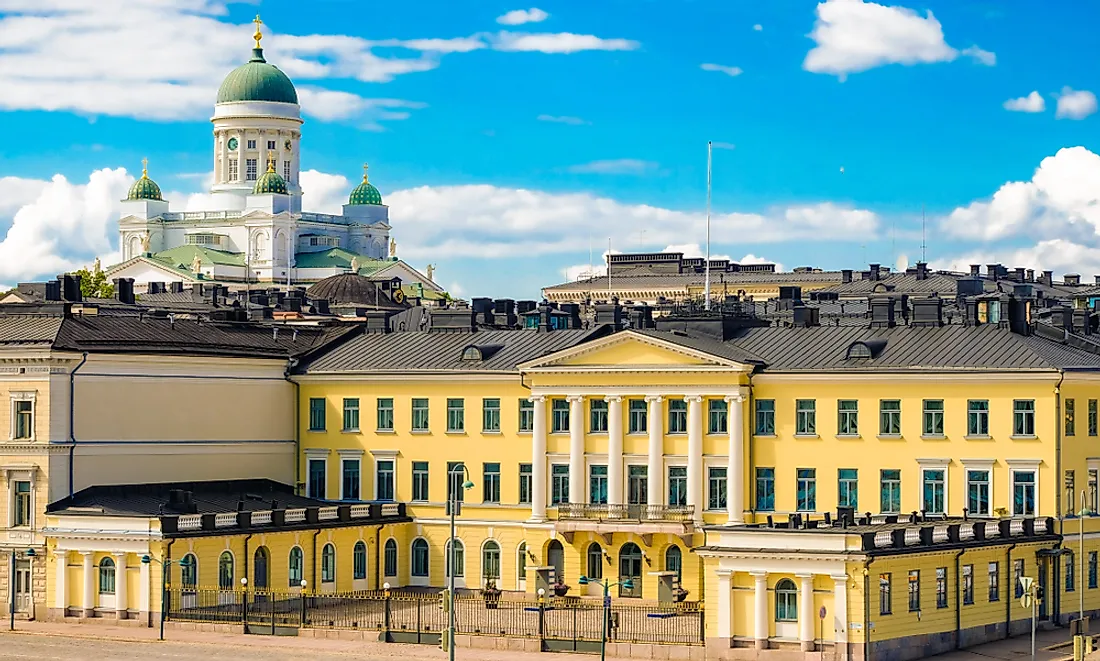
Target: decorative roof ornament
column 355, row 264
column 196, row 265
column 431, row 272
column 393, row 247
column 256, row 80
column 365, row 194
column 259, row 35
column 270, row 182
column 144, row 188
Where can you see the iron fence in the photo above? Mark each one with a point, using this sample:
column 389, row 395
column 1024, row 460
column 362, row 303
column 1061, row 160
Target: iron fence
column 589, row 512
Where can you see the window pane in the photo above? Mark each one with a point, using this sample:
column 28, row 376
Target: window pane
column 890, row 417
column 805, row 416
column 385, row 414
column 717, row 416
column 765, row 417
column 490, row 415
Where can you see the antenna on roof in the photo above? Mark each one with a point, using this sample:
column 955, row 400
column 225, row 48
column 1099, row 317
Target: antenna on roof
column 923, row 236
column 609, row 269
column 706, row 267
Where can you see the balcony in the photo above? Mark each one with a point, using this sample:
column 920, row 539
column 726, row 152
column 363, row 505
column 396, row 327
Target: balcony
column 641, row 520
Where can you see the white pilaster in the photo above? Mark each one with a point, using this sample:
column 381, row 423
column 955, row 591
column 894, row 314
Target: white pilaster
column 261, row 167
column 576, row 449
column 241, row 142
column 88, row 603
column 614, row 450
column 538, row 460
column 61, row 581
column 655, row 467
column 120, row 585
column 760, row 609
column 840, row 609
column 806, row 612
column 144, row 594
column 735, row 462
column 725, row 604
column 695, row 477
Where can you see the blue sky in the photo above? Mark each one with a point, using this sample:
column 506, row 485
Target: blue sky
column 501, row 154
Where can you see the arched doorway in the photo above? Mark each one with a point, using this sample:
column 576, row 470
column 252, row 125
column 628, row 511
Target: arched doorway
column 786, row 608
column 674, row 561
column 555, row 557
column 261, row 573
column 630, row 566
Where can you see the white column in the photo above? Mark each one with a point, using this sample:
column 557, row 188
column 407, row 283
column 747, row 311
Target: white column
column 760, row 609
column 120, row 585
column 806, row 612
column 725, row 604
column 241, row 142
column 261, row 167
column 695, row 455
column 144, row 594
column 538, row 460
column 89, row 585
column 735, row 466
column 840, row 610
column 655, row 468
column 576, row 449
column 614, row 450
column 61, row 581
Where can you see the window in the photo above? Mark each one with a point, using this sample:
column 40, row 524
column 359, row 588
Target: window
column 316, row 414
column 491, row 479
column 914, row 590
column 786, row 601
column 717, row 416
column 349, row 470
column 1018, row 577
column 24, row 419
column 521, row 562
column 328, row 564
column 526, row 415
column 250, row 169
column 384, row 479
column 1071, row 423
column 933, row 417
column 848, row 487
column 22, row 514
column 316, row 479
column 351, row 414
column 385, row 414
column 420, row 414
column 977, row 417
column 234, row 171
column 677, row 416
column 106, row 576
column 490, row 415
column 189, row 572
column 225, row 571
column 765, row 489
column 977, row 492
column 286, row 170
column 847, row 417
column 806, row 490
column 559, row 416
column 1071, row 583
column 890, row 491
column 677, row 485
column 595, row 561
column 457, row 559
column 456, row 414
column 1092, row 417
column 674, row 561
column 389, row 559
column 716, row 491
column 420, row 481
column 597, row 416
column 1092, row 569
column 968, row 584
column 884, row 590
column 1023, row 493
column 889, row 417
column 637, row 485
column 941, row 587
column 456, row 475
column 525, row 484
column 559, row 487
column 1069, row 479
column 1094, row 478
column 490, row 561
column 765, row 417
column 994, row 581
column 597, row 485
column 933, row 492
column 271, row 144
column 419, row 560
column 637, row 416
column 295, row 566
column 1023, row 417
column 251, row 144
column 359, row 561
column 805, row 419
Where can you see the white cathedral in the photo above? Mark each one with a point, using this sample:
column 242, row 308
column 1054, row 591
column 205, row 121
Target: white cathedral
column 260, row 234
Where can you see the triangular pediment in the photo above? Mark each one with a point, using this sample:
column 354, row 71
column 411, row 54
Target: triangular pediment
column 626, row 350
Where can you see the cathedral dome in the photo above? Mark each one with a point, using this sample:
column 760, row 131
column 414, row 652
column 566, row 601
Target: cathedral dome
column 365, row 193
column 269, row 182
column 144, row 188
column 256, row 80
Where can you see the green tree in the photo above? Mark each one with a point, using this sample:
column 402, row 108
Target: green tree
column 93, row 283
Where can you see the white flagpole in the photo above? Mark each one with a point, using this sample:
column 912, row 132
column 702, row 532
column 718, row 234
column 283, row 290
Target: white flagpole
column 706, row 267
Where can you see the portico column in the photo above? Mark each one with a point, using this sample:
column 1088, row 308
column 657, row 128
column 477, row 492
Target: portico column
column 614, row 449
column 144, row 594
column 735, row 462
column 61, row 582
column 89, row 585
column 725, row 604
column 654, row 468
column 241, row 176
column 806, row 612
column 695, row 455
column 760, row 609
column 120, row 585
column 840, row 609
column 576, row 448
column 262, row 144
column 538, row 460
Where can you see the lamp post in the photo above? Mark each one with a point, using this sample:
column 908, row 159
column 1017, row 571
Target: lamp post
column 453, row 501
column 166, row 568
column 12, row 584
column 607, row 585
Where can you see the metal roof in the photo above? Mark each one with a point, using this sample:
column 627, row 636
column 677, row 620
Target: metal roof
column 210, row 497
column 635, row 279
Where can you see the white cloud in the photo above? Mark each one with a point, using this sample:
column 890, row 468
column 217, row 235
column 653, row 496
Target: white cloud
column 16, row 192
column 563, row 42
column 521, row 16
column 1058, row 255
column 729, row 71
column 323, row 192
column 562, row 119
column 1031, row 103
column 616, row 166
column 599, row 267
column 854, row 36
column 988, row 58
column 758, row 27
column 1075, row 104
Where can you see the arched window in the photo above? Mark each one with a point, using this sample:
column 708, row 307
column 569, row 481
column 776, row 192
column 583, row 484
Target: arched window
column 225, row 571
column 391, row 557
column 630, row 566
column 189, row 572
column 674, row 561
column 490, row 561
column 106, row 576
column 296, row 567
column 328, row 564
column 786, row 601
column 359, row 561
column 420, row 558
column 521, row 561
column 595, row 561
column 555, row 557
column 459, row 559
column 260, row 563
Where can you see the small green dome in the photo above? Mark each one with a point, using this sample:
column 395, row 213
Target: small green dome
column 144, row 188
column 365, row 193
column 270, row 182
column 256, row 80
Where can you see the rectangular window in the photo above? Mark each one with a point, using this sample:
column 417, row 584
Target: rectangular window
column 1069, row 482
column 914, row 590
column 383, row 479
column 889, row 414
column 490, row 415
column 1023, row 493
column 525, row 484
column 805, row 417
column 250, row 169
column 526, row 415
column 559, row 416
column 251, row 144
column 977, row 492
column 597, row 485
column 1071, row 423
column 677, row 416
column 420, row 481
column 490, row 492
column 994, row 581
column 351, row 414
column 677, row 485
column 1092, row 417
column 637, row 485
column 765, row 417
column 385, row 414
column 1092, row 569
column 559, row 485
column 390, row 559
column 968, row 584
column 933, row 491
column 1023, row 417
column 316, row 478
column 806, row 490
column 977, row 417
column 456, row 414
column 1094, row 478
column 456, row 475
column 22, row 504
column 637, row 416
column 420, row 414
column 884, row 605
column 765, row 489
column 890, row 491
column 286, row 170
column 316, row 414
column 1018, row 577
column 847, row 487
column 716, row 488
column 234, row 171
column 847, row 417
column 941, row 587
column 933, row 417
column 597, row 416
column 717, row 416
column 349, row 479
column 24, row 419
column 271, row 144
column 1071, row 566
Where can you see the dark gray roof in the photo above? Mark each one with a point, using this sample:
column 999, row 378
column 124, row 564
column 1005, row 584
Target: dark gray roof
column 209, row 497
column 712, row 346
column 19, row 329
column 633, row 279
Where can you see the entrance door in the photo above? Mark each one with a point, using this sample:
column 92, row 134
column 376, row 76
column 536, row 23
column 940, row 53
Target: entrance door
column 1044, row 583
column 260, row 579
column 630, row 567
column 555, row 557
column 22, row 586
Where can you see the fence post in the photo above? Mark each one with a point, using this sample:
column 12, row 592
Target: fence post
column 244, row 609
column 575, row 609
column 386, row 617
column 703, row 625
column 302, row 616
column 271, row 597
column 542, row 625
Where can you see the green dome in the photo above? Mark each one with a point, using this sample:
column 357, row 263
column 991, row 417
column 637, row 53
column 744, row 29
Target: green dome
column 256, row 80
column 144, row 188
column 365, row 193
column 270, row 182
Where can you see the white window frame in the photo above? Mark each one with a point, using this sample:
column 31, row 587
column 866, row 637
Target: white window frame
column 627, row 463
column 934, row 464
column 13, row 474
column 667, row 480
column 979, row 465
column 378, row 455
column 709, row 463
column 344, row 459
column 589, row 462
column 1023, row 466
column 419, row 580
column 23, row 396
column 316, row 454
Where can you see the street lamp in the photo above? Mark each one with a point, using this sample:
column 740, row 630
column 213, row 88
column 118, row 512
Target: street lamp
column 12, row 583
column 453, row 504
column 607, row 585
column 166, row 569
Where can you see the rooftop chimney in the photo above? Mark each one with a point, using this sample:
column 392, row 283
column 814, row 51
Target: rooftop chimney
column 1020, row 274
column 874, row 271
column 1047, row 278
column 805, row 316
column 846, row 275
column 70, row 288
column 927, row 311
column 882, row 312
column 922, row 271
column 1030, row 275
column 1071, row 279
column 124, row 290
column 975, row 270
column 53, row 290
column 175, row 287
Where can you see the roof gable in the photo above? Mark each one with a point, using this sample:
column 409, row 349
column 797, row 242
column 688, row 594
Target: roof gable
column 629, row 349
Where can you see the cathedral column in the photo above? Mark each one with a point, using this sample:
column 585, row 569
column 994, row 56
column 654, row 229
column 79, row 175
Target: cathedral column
column 121, row 585
column 261, row 142
column 695, row 456
column 840, row 609
column 655, row 466
column 576, row 448
column 614, row 449
column 725, row 603
column 145, row 584
column 538, row 460
column 735, row 461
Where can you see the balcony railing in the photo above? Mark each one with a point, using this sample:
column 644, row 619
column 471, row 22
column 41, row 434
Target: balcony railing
column 627, row 513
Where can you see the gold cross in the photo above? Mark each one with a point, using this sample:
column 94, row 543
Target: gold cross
column 144, row 166
column 259, row 35
column 365, row 166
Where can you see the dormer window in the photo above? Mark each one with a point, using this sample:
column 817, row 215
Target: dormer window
column 203, row 240
column 331, row 241
column 480, row 353
column 471, row 353
column 865, row 349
